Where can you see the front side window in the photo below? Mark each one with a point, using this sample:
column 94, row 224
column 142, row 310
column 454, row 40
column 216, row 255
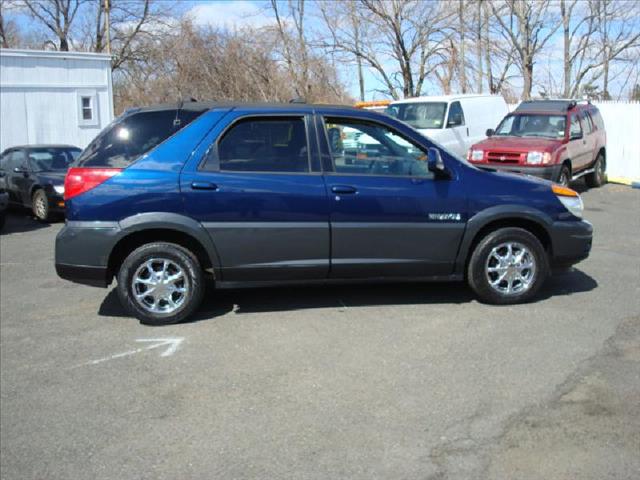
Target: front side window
column 456, row 115
column 532, row 125
column 52, row 159
column 423, row 115
column 363, row 148
column 268, row 144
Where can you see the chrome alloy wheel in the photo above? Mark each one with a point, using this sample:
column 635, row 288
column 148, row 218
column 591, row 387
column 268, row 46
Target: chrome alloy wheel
column 160, row 286
column 41, row 207
column 510, row 268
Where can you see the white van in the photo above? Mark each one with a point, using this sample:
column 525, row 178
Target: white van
column 454, row 121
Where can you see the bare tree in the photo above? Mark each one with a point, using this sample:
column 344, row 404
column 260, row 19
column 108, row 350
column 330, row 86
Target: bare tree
column 400, row 39
column 527, row 25
column 57, row 16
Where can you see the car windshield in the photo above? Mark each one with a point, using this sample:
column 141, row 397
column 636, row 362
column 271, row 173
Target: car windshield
column 424, row 115
column 532, row 125
column 54, row 159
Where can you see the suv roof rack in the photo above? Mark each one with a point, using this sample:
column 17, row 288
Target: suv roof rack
column 551, row 105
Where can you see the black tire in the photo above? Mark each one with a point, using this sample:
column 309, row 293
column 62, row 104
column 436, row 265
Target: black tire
column 564, row 177
column 599, row 176
column 182, row 258
column 477, row 275
column 3, row 218
column 40, row 206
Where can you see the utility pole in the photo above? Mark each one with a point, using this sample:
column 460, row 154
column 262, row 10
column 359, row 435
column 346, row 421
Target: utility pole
column 107, row 25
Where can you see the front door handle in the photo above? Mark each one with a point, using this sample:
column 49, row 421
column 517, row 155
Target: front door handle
column 344, row 189
column 203, row 186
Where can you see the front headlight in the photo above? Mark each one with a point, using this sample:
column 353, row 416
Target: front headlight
column 570, row 199
column 59, row 189
column 538, row 158
column 476, row 155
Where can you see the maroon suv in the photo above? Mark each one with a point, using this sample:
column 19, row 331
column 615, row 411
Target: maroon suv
column 560, row 140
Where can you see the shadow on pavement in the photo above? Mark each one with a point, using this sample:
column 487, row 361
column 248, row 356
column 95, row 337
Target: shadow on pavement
column 18, row 221
column 220, row 302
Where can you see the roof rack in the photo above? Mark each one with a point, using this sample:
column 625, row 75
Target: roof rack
column 550, row 105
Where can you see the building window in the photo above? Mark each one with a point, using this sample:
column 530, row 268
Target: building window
column 87, row 108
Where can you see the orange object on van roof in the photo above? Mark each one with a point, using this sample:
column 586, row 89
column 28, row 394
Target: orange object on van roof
column 372, row 104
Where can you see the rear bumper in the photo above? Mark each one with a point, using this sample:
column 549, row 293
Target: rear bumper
column 82, row 252
column 549, row 172
column 571, row 242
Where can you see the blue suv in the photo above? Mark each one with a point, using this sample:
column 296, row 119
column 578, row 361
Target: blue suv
column 247, row 195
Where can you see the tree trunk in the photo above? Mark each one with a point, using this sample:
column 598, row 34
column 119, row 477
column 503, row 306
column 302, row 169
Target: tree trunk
column 487, row 50
column 567, row 50
column 463, row 74
column 64, row 44
column 528, row 79
column 479, row 46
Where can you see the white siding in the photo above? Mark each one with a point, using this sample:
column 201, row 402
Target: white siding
column 40, row 97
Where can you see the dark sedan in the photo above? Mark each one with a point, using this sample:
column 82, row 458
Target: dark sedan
column 34, row 177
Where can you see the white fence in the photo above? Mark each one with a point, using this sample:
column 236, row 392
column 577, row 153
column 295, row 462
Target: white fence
column 622, row 122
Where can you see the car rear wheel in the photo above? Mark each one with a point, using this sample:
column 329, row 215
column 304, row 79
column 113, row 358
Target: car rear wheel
column 598, row 177
column 508, row 266
column 40, row 206
column 564, row 177
column 161, row 283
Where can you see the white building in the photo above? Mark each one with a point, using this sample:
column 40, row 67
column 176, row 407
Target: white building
column 53, row 97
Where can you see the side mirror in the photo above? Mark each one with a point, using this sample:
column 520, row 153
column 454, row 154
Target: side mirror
column 576, row 136
column 489, row 132
column 434, row 161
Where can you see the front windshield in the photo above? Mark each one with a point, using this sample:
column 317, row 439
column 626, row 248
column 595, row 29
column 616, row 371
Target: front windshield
column 424, row 115
column 532, row 125
column 52, row 159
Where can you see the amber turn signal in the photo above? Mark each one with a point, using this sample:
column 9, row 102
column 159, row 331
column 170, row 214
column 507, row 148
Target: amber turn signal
column 563, row 191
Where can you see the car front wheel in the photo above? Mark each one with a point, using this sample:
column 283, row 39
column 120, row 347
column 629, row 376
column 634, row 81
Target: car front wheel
column 40, row 205
column 161, row 283
column 508, row 266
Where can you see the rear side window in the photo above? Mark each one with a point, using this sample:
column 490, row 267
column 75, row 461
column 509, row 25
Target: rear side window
column 586, row 123
column 127, row 139
column 267, row 144
column 575, row 126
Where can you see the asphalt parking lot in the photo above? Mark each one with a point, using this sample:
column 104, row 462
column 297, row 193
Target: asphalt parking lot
column 405, row 381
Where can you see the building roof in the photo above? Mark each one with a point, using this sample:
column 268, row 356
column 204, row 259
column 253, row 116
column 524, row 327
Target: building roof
column 13, row 52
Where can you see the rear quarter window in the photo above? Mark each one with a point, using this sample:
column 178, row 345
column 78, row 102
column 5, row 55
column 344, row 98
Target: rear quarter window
column 122, row 143
column 597, row 118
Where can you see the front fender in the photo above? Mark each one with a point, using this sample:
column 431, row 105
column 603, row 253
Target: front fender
column 496, row 214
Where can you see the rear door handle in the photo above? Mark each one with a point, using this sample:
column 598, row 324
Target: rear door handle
column 203, row 186
column 344, row 189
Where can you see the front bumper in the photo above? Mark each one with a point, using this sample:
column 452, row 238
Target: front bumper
column 4, row 201
column 571, row 242
column 549, row 172
column 82, row 252
column 56, row 203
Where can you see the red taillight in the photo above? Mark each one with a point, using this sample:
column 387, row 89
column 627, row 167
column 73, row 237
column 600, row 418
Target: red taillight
column 80, row 180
